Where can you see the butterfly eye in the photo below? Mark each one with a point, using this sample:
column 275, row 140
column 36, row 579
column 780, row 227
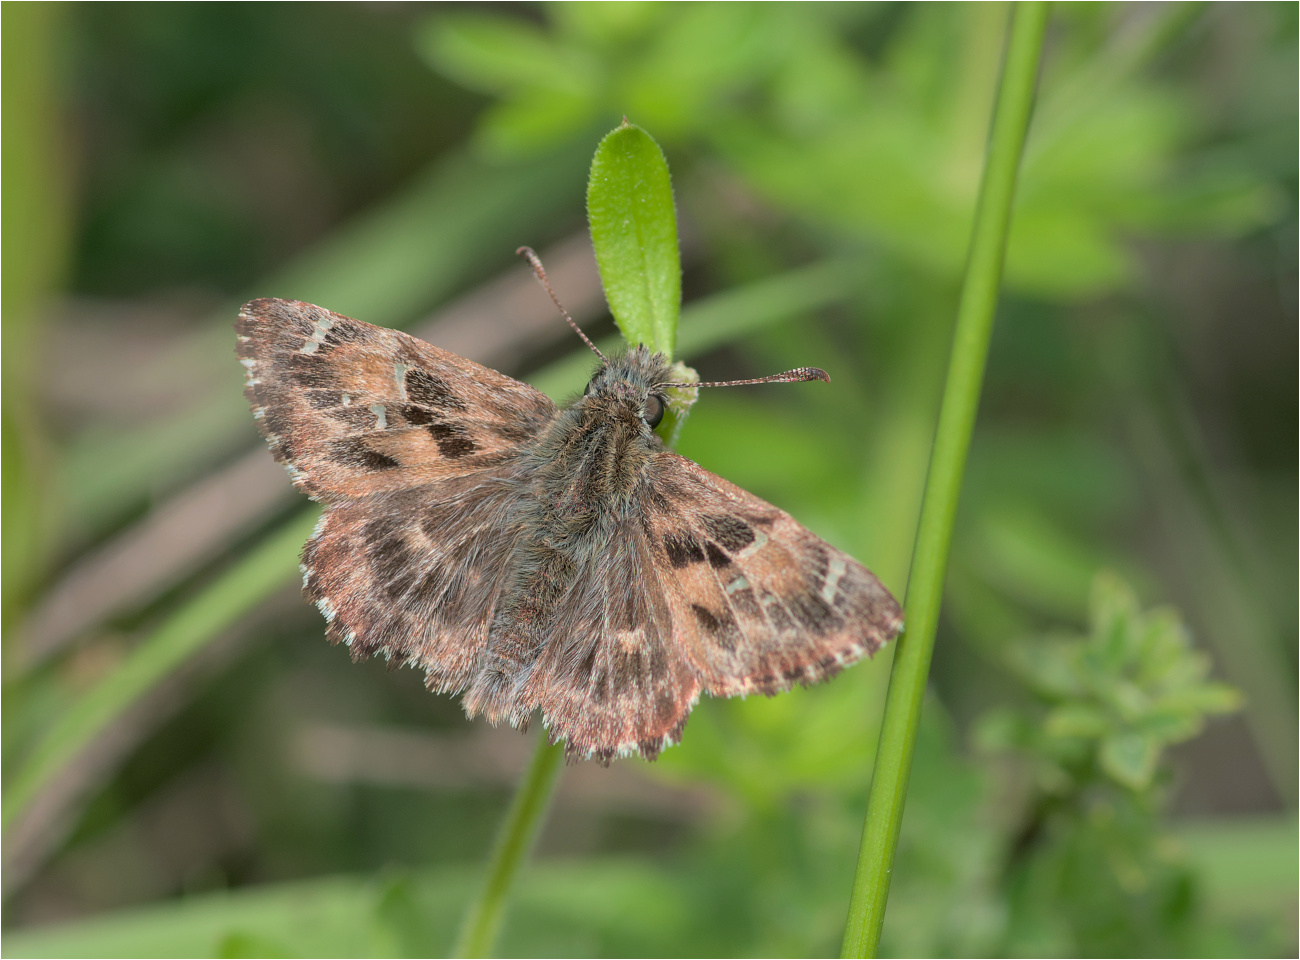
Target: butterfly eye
column 586, row 391
column 654, row 410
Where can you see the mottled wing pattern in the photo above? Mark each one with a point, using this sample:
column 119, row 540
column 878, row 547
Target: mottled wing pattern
column 416, row 575
column 352, row 409
column 758, row 602
column 437, row 548
column 417, row 454
column 618, row 681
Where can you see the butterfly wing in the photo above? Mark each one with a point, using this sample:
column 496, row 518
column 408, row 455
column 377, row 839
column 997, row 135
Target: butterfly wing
column 421, row 458
column 758, row 602
column 704, row 588
column 417, row 454
column 617, row 682
column 415, row 575
column 352, row 409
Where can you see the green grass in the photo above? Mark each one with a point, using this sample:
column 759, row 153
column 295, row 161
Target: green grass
column 961, row 398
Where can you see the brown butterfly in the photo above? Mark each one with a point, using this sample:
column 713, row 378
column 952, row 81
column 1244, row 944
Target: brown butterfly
column 536, row 557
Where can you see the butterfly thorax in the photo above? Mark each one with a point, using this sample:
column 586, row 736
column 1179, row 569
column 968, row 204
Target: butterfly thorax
column 593, row 457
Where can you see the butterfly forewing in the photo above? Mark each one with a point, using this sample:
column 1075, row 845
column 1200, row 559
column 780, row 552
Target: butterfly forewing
column 353, row 409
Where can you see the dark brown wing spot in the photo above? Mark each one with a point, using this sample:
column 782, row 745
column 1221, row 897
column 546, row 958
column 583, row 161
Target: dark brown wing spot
column 276, row 422
column 393, row 563
column 381, row 529
column 665, row 707
column 626, row 615
column 778, row 615
column 424, row 388
column 817, row 564
column 353, row 452
column 588, row 663
column 705, row 617
column 745, row 602
column 730, row 532
column 722, row 629
column 308, row 371
column 416, row 415
column 344, row 331
column 627, row 671
column 810, row 610
column 453, row 442
column 430, row 586
column 682, row 549
column 717, row 558
column 658, row 666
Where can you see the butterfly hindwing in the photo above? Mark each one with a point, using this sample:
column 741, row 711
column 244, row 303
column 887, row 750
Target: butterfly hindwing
column 618, row 682
column 415, row 576
column 759, row 601
column 353, row 409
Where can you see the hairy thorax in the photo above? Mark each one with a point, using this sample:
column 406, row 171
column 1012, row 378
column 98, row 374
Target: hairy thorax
column 593, row 459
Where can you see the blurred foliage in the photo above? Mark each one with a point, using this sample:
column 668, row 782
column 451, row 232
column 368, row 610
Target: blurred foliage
column 1093, row 872
column 1139, row 415
column 823, row 122
column 1116, row 697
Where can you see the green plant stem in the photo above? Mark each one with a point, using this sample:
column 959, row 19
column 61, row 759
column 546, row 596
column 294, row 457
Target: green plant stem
column 947, row 465
column 514, row 842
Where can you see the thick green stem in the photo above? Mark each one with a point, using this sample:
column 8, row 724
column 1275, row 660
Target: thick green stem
column 513, row 844
column 947, row 464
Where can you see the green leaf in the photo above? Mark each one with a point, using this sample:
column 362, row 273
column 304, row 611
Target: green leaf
column 634, row 232
column 1130, row 759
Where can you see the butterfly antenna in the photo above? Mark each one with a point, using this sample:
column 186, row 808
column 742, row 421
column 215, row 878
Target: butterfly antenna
column 797, row 375
column 541, row 275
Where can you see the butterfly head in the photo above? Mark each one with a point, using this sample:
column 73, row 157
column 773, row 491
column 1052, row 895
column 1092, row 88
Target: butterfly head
column 630, row 387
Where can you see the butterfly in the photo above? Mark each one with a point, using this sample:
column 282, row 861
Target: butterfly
column 540, row 558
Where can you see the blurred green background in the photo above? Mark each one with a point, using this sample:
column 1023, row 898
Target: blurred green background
column 190, row 770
